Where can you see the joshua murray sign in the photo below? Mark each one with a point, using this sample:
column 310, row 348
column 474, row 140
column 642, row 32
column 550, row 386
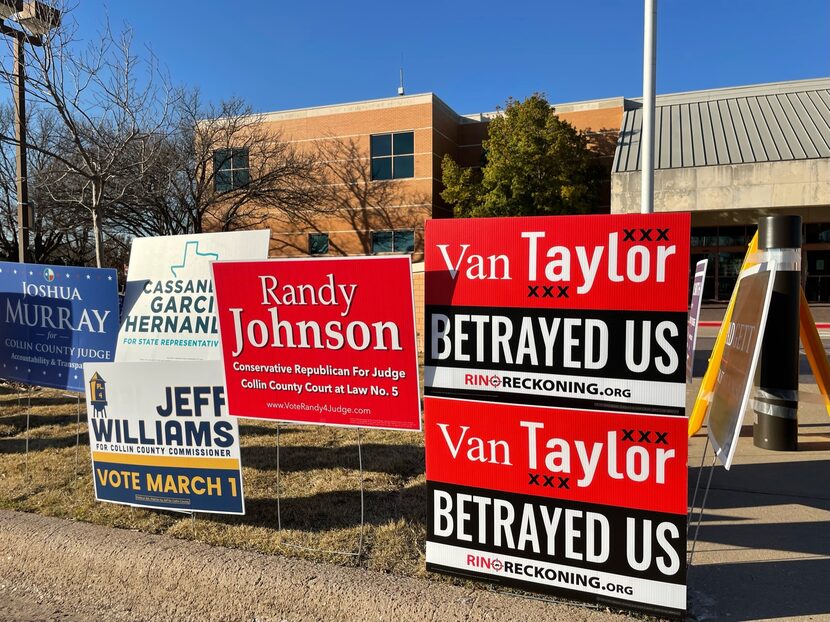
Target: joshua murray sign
column 53, row 319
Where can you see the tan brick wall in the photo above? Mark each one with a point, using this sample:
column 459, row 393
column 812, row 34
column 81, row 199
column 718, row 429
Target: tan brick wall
column 418, row 293
column 343, row 132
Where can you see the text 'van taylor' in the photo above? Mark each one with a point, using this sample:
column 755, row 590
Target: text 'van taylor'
column 572, row 311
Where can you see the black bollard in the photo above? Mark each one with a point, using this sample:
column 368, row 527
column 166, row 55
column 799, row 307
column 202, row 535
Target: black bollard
column 776, row 397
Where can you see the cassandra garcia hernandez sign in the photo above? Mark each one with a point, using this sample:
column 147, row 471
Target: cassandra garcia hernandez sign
column 327, row 341
column 555, row 378
column 53, row 319
column 169, row 307
column 161, row 437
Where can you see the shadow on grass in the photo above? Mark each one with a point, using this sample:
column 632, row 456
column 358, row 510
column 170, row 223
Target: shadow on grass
column 339, row 509
column 40, row 401
column 403, row 460
column 254, row 429
column 18, row 421
column 18, row 445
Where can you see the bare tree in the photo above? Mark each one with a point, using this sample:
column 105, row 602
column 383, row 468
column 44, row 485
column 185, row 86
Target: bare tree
column 219, row 167
column 55, row 227
column 107, row 104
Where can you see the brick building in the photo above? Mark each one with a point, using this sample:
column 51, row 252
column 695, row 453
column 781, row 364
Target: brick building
column 384, row 168
column 728, row 156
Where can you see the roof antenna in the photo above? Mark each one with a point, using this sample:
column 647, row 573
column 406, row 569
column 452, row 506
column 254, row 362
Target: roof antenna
column 400, row 88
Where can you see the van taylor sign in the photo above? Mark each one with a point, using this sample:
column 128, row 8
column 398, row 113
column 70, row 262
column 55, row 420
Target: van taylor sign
column 53, row 319
column 571, row 311
column 329, row 341
column 169, row 306
column 582, row 503
column 552, row 314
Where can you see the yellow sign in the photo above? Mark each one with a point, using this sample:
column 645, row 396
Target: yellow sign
column 704, row 394
column 814, row 350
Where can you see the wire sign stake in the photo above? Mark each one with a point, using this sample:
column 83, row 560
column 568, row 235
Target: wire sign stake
column 300, row 547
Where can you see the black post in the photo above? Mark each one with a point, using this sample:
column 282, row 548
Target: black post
column 776, row 398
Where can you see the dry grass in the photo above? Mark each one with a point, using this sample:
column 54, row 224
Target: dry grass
column 318, row 477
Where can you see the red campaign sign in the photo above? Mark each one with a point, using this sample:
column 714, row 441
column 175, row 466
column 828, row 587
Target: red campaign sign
column 327, row 341
column 623, row 460
column 632, row 262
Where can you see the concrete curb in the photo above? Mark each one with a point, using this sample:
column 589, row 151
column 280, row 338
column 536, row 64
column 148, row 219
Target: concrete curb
column 112, row 574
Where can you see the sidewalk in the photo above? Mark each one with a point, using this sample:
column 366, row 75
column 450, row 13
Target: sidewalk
column 103, row 574
column 764, row 544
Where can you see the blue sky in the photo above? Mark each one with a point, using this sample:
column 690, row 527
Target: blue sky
column 279, row 55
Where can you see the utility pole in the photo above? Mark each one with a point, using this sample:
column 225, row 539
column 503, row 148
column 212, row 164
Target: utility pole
column 37, row 18
column 22, row 167
column 647, row 133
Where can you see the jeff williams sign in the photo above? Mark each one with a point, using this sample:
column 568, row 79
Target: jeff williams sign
column 577, row 312
column 53, row 319
column 169, row 307
column 329, row 341
column 161, row 437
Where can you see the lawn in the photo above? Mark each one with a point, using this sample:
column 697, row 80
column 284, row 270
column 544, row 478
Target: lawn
column 319, row 484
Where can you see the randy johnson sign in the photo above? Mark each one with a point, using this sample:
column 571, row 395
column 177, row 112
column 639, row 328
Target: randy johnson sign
column 555, row 430
column 328, row 341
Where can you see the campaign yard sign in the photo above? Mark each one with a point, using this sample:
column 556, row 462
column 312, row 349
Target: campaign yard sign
column 694, row 316
column 591, row 505
column 326, row 341
column 53, row 319
column 555, row 405
column 161, row 438
column 572, row 311
column 730, row 395
column 169, row 306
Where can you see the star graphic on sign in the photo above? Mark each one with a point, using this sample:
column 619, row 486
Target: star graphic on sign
column 87, row 277
column 109, row 278
column 15, row 271
column 30, row 273
column 75, row 377
column 44, row 372
column 28, row 371
column 60, row 375
column 67, row 275
column 1, row 270
column 15, row 368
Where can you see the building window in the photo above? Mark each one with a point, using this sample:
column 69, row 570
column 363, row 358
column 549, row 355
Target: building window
column 402, row 241
column 230, row 168
column 393, row 155
column 318, row 243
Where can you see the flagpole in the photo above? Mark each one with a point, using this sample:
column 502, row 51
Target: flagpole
column 647, row 134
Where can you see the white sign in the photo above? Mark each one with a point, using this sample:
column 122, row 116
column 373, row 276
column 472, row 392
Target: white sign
column 694, row 316
column 161, row 437
column 169, row 308
column 730, row 394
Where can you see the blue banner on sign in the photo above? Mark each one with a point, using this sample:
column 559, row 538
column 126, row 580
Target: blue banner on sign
column 169, row 488
column 53, row 319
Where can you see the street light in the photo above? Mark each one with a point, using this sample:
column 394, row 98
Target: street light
column 36, row 19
